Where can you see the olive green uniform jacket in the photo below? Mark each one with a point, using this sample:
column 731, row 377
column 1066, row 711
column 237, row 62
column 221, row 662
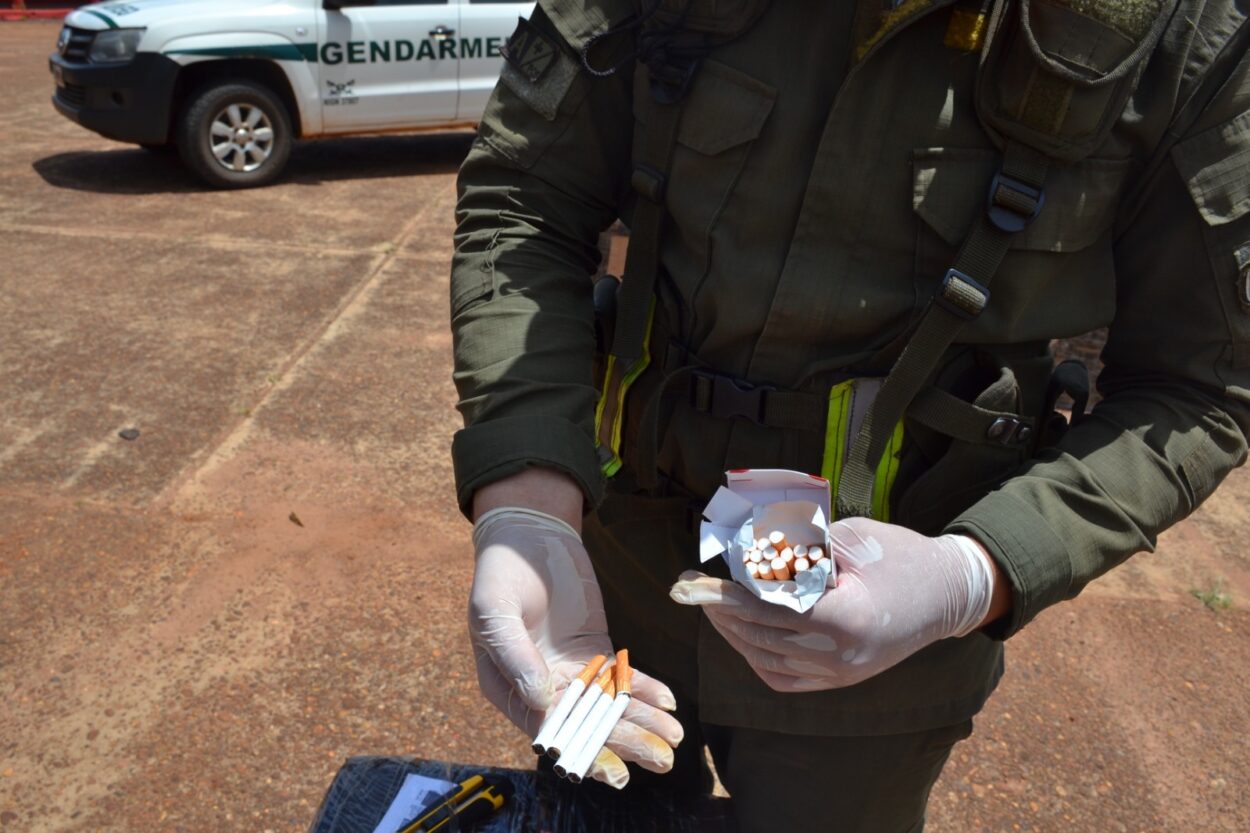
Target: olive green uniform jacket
column 828, row 164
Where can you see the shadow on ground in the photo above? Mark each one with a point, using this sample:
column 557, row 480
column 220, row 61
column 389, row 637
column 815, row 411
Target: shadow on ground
column 133, row 170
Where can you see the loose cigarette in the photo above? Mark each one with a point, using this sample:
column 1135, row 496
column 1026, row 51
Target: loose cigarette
column 555, row 718
column 778, row 539
column 753, row 569
column 801, row 564
column 757, row 556
column 781, row 570
column 815, row 553
column 584, row 706
column 576, row 769
column 800, row 550
column 766, row 570
column 583, row 742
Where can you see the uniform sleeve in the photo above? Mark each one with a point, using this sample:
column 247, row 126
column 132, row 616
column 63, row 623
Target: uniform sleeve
column 542, row 181
column 1176, row 411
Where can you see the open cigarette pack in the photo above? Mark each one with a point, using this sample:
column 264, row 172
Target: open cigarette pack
column 772, row 528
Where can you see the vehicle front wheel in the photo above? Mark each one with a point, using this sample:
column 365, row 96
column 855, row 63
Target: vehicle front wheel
column 235, row 134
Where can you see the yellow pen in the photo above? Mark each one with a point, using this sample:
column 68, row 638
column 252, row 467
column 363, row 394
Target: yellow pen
column 444, row 808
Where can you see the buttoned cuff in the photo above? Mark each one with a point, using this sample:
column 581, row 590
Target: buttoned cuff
column 498, row 448
column 1031, row 553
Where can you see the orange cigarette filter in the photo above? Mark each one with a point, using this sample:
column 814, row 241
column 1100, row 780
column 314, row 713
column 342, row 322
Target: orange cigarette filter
column 604, row 679
column 591, row 669
column 624, row 674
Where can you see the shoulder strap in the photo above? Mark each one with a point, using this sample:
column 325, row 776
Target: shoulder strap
column 1016, row 198
column 1051, row 85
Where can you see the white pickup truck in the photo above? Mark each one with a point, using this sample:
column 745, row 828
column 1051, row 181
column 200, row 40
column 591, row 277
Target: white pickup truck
column 231, row 83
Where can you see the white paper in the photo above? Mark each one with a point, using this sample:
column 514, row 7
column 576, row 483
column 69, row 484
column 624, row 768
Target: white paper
column 414, row 797
column 757, row 501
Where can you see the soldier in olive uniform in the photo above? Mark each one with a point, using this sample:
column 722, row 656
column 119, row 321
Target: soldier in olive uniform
column 806, row 185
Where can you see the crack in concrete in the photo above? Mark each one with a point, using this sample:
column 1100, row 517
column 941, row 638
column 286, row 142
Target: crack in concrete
column 233, row 437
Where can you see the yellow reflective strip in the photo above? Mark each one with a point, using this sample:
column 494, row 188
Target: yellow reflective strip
column 837, row 423
column 887, row 470
column 634, row 372
column 611, row 467
column 613, row 393
column 603, row 395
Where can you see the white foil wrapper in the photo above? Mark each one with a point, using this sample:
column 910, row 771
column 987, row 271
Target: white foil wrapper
column 757, row 501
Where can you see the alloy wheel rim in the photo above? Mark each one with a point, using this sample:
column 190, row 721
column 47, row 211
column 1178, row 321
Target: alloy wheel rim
column 241, row 137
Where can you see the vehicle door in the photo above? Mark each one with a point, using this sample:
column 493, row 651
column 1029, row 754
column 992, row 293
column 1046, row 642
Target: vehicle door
column 389, row 64
column 484, row 27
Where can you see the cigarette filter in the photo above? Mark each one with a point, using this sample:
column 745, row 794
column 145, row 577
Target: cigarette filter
column 770, row 552
column 777, row 538
column 815, row 553
column 578, row 716
column 556, row 717
column 801, row 564
column 800, row 550
column 781, row 570
column 761, row 543
column 753, row 569
column 786, row 555
column 766, row 570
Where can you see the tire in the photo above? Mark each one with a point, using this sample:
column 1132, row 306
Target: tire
column 235, row 134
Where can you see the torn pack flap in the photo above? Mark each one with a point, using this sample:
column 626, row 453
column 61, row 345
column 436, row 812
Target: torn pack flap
column 1057, row 74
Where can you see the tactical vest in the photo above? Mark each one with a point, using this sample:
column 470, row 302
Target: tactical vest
column 1054, row 77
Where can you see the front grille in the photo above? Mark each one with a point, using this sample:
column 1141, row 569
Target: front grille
column 79, row 45
column 73, row 94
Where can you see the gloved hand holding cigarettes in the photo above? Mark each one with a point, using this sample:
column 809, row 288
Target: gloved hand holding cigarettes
column 536, row 618
column 896, row 592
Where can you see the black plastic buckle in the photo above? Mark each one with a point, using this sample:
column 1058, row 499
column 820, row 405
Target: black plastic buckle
column 960, row 295
column 726, row 397
column 1012, row 204
column 649, row 183
column 671, row 78
column 1009, row 431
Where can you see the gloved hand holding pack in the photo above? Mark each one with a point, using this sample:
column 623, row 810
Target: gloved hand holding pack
column 772, row 528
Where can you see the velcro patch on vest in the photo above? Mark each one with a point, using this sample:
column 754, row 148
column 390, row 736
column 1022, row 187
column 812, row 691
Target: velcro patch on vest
column 529, row 50
column 538, row 69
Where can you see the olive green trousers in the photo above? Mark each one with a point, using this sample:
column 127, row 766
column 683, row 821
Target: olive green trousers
column 869, row 781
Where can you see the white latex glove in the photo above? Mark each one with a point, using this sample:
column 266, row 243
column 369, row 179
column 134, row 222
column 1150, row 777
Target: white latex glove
column 535, row 618
column 897, row 591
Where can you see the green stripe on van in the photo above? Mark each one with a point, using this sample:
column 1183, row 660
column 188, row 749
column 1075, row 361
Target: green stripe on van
column 276, row 52
column 111, row 23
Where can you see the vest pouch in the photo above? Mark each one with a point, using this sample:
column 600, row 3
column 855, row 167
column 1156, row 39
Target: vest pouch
column 1057, row 79
column 940, row 476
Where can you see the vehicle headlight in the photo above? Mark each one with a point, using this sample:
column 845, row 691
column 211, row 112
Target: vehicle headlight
column 114, row 46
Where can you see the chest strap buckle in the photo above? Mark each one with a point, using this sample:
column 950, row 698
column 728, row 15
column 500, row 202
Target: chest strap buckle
column 961, row 296
column 1013, row 204
column 725, row 397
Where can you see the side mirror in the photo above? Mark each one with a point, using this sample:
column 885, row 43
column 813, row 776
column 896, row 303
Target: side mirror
column 335, row 5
